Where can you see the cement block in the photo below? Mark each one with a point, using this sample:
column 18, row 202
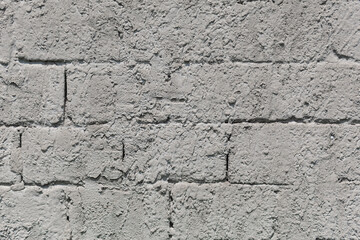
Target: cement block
column 176, row 31
column 33, row 213
column 293, row 153
column 31, row 94
column 230, row 211
column 214, row 93
column 9, row 142
column 6, row 31
column 98, row 213
column 125, row 154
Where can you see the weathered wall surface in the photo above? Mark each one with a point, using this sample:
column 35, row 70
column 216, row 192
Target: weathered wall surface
column 179, row 119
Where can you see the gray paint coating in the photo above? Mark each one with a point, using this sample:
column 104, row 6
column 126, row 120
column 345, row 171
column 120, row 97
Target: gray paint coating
column 230, row 119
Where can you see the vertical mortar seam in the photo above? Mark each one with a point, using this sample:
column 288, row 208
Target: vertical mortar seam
column 65, row 94
column 171, row 224
column 123, row 150
column 227, row 166
column 227, row 158
column 20, row 139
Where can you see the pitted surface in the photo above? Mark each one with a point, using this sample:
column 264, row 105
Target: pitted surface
column 205, row 119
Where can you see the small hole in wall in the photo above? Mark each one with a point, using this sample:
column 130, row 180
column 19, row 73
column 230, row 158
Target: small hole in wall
column 120, row 34
column 332, row 136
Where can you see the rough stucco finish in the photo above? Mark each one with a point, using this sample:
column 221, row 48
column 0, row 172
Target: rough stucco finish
column 33, row 213
column 32, row 94
column 208, row 93
column 9, row 141
column 153, row 153
column 230, row 119
column 181, row 30
column 98, row 213
column 292, row 153
column 6, row 41
column 231, row 211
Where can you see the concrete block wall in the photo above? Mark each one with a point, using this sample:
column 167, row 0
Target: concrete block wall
column 179, row 119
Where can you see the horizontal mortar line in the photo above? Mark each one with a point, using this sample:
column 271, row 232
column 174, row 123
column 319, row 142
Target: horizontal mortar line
column 345, row 58
column 228, row 182
column 31, row 124
column 48, row 62
column 353, row 122
column 55, row 183
column 47, row 185
column 278, row 62
column 260, row 184
column 63, row 62
column 44, row 186
column 262, row 121
column 56, row 125
column 342, row 59
column 171, row 182
column 186, row 63
column 6, row 184
column 305, row 120
column 82, row 184
column 93, row 123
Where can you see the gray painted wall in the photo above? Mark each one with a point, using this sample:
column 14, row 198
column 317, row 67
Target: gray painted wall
column 179, row 119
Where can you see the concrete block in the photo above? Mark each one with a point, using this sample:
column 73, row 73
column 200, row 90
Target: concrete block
column 230, row 211
column 33, row 213
column 293, row 153
column 6, row 31
column 125, row 154
column 100, row 213
column 322, row 92
column 31, row 94
column 9, row 142
column 176, row 31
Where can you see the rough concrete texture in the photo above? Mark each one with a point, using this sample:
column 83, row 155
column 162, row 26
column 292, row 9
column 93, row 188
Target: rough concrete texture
column 31, row 94
column 128, row 155
column 229, row 92
column 234, row 211
column 205, row 119
column 9, row 141
column 100, row 213
column 293, row 153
